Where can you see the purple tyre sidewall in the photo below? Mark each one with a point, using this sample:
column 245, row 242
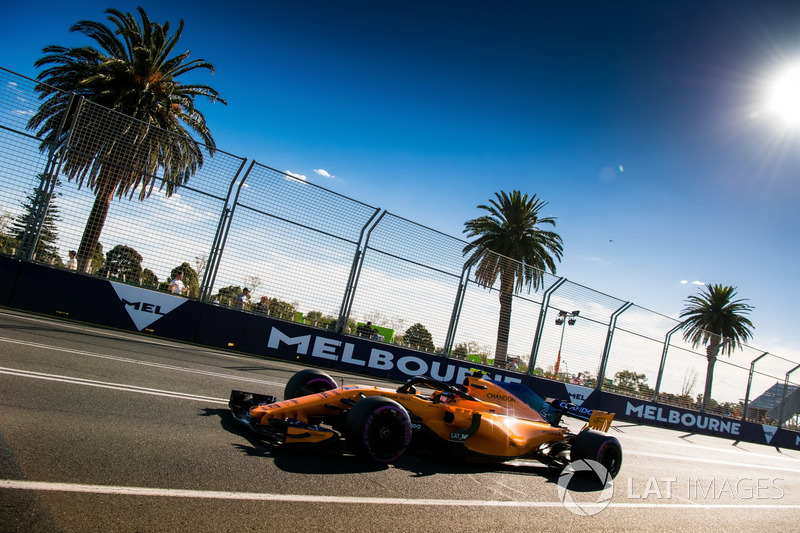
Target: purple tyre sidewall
column 601, row 450
column 398, row 414
column 321, row 383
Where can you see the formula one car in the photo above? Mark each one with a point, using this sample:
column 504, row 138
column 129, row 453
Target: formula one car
column 480, row 420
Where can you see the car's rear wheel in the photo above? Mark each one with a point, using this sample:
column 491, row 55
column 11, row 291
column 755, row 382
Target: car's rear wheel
column 308, row 381
column 378, row 429
column 599, row 447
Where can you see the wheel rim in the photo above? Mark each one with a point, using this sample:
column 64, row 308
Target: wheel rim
column 387, row 434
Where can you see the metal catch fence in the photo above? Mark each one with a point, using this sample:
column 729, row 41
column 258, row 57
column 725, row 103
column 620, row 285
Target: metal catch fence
column 306, row 253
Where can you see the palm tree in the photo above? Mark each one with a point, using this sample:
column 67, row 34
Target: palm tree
column 715, row 319
column 132, row 71
column 511, row 246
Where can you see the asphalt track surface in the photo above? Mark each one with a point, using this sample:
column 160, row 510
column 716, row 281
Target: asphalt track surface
column 109, row 431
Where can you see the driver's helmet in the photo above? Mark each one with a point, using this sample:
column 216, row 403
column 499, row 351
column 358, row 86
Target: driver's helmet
column 447, row 397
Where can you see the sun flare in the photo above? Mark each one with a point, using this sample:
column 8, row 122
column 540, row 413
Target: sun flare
column 784, row 97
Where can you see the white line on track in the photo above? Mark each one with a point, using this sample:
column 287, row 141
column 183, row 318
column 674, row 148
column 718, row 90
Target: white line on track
column 365, row 500
column 114, row 386
column 138, row 361
column 732, row 449
column 710, row 461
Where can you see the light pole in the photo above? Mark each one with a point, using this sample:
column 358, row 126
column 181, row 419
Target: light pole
column 562, row 320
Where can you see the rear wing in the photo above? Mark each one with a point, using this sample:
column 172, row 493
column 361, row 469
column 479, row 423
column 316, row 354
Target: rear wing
column 600, row 420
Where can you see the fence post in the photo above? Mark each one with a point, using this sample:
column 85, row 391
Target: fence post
column 537, row 338
column 47, row 184
column 221, row 236
column 783, row 399
column 663, row 361
column 749, row 384
column 355, row 270
column 612, row 324
column 456, row 314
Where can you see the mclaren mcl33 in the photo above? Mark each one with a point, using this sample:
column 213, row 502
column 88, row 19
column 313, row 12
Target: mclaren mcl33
column 482, row 419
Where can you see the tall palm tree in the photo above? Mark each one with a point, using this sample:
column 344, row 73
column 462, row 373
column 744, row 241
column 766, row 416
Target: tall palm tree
column 132, row 71
column 715, row 319
column 511, row 246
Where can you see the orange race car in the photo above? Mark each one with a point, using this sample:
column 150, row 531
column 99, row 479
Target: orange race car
column 481, row 419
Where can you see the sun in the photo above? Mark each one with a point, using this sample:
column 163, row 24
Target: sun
column 784, row 96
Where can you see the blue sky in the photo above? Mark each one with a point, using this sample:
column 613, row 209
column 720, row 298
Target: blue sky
column 643, row 124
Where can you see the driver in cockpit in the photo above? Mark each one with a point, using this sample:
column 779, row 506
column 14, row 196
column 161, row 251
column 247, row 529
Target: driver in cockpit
column 443, row 397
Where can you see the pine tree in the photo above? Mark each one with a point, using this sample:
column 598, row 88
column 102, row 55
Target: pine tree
column 46, row 250
column 8, row 244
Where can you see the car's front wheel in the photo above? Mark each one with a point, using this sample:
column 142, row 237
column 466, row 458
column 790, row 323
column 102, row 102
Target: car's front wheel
column 378, row 429
column 308, row 381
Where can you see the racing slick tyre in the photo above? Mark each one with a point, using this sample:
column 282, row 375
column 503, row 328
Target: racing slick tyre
column 308, row 381
column 597, row 446
column 378, row 429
